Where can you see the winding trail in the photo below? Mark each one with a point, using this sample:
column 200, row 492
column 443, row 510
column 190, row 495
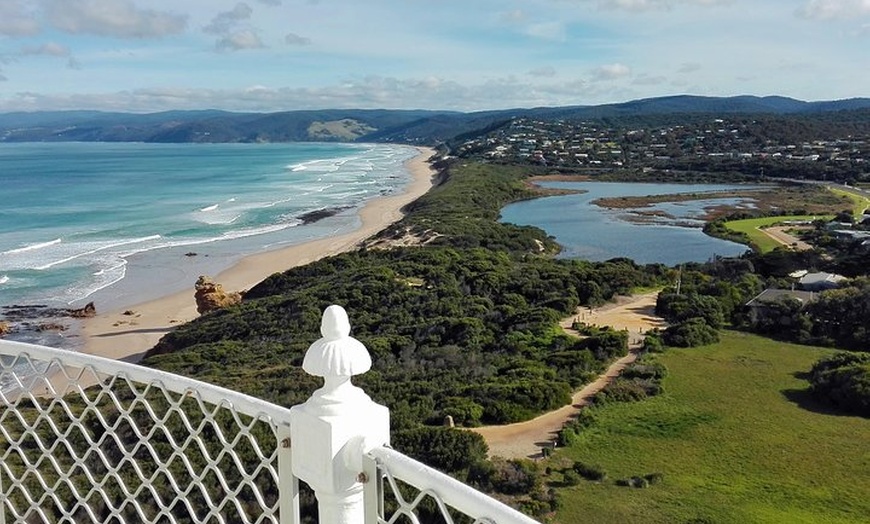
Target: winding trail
column 525, row 439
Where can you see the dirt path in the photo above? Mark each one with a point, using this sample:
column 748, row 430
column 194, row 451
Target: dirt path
column 635, row 314
column 779, row 234
column 525, row 439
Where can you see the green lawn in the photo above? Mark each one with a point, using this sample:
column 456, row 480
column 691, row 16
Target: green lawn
column 759, row 240
column 733, row 442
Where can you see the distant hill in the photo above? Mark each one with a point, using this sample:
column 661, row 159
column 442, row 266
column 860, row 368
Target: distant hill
column 379, row 125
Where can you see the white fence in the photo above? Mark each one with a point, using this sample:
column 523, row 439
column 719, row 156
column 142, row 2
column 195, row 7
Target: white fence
column 85, row 439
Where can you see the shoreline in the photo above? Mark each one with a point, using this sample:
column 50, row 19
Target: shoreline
column 127, row 333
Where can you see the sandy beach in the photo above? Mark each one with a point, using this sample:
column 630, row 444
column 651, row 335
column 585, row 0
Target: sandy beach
column 126, row 334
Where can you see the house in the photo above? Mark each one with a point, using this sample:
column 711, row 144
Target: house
column 820, row 281
column 764, row 306
column 771, row 295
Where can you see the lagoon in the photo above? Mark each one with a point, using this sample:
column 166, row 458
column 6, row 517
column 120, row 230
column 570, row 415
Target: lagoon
column 589, row 232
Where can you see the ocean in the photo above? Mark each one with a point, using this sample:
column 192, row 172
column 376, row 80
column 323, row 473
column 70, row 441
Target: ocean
column 128, row 222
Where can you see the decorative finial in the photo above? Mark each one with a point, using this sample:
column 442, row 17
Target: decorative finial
column 337, row 354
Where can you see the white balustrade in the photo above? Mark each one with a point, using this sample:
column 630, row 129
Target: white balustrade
column 88, row 439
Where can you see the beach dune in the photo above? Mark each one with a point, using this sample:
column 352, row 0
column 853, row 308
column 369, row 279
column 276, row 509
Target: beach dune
column 126, row 334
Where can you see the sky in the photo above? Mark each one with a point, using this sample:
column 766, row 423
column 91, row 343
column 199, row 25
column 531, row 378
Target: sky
column 469, row 55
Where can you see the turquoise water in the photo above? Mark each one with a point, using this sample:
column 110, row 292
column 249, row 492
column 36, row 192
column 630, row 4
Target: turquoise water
column 587, row 231
column 115, row 221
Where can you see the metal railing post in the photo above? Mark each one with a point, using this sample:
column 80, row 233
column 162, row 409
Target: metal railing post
column 2, row 502
column 288, row 484
column 338, row 424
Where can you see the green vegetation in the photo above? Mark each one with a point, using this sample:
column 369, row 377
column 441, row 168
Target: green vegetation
column 462, row 211
column 715, row 455
column 750, row 229
column 859, row 203
column 464, row 326
column 843, row 380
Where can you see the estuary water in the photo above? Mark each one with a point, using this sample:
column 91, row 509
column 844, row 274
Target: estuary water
column 590, row 232
column 76, row 217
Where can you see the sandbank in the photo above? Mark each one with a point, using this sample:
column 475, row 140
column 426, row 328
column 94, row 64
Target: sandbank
column 127, row 333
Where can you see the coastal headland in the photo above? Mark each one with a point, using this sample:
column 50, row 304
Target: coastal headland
column 127, row 333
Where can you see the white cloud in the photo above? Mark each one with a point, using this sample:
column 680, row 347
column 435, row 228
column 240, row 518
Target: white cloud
column 244, row 39
column 546, row 71
column 225, row 21
column 829, row 9
column 689, row 67
column 116, row 18
column 47, row 49
column 368, row 92
column 270, row 2
column 294, row 39
column 547, row 31
column 649, row 80
column 52, row 49
column 610, row 72
column 15, row 20
column 652, row 5
column 513, row 17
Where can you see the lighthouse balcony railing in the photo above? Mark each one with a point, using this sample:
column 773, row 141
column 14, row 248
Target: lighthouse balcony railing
column 85, row 439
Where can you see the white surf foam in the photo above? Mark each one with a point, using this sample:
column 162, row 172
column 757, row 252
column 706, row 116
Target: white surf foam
column 92, row 248
column 32, row 247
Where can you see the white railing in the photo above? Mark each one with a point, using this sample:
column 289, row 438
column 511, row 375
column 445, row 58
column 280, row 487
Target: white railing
column 87, row 439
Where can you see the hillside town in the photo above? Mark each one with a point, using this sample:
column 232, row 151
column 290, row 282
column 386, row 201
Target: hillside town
column 748, row 145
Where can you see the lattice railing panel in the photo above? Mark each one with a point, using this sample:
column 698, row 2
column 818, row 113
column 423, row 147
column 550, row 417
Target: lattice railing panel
column 401, row 490
column 404, row 503
column 80, row 445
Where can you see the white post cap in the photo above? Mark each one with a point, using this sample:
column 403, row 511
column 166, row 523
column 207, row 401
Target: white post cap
column 336, row 354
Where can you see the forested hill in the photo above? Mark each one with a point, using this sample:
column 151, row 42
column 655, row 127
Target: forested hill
column 381, row 125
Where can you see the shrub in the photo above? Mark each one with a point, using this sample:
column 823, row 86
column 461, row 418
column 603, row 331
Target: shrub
column 450, row 450
column 590, row 472
column 691, row 333
column 844, row 381
column 652, row 342
column 464, row 411
column 567, row 437
column 571, row 478
column 633, row 482
column 584, row 419
column 628, row 390
column 654, row 478
column 514, row 477
column 644, row 370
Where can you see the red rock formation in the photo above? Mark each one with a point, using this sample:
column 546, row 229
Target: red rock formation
column 210, row 296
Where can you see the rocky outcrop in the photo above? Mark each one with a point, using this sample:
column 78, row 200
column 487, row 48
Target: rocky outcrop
column 88, row 311
column 210, row 296
column 36, row 312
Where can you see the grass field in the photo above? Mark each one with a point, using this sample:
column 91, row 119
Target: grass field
column 859, row 203
column 737, row 439
column 759, row 240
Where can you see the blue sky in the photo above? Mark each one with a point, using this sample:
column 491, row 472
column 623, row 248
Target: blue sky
column 273, row 55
